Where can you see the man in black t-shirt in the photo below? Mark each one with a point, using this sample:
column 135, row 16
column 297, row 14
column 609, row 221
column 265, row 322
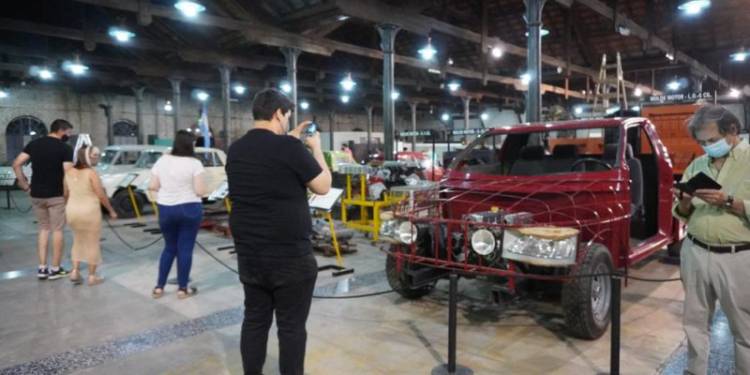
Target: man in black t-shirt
column 50, row 156
column 269, row 172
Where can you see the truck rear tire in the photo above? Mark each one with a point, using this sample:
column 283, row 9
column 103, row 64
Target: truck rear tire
column 399, row 280
column 123, row 206
column 586, row 301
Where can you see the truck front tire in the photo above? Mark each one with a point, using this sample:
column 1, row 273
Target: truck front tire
column 400, row 281
column 586, row 301
column 123, row 206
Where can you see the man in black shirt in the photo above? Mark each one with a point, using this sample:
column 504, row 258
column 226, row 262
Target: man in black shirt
column 50, row 156
column 269, row 172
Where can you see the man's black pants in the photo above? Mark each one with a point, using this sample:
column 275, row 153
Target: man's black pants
column 284, row 286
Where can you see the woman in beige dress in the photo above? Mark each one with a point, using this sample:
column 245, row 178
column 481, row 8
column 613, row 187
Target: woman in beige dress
column 85, row 196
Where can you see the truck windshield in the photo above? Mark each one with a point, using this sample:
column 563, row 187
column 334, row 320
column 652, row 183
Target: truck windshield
column 541, row 153
column 108, row 157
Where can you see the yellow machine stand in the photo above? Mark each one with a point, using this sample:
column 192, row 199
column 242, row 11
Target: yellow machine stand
column 365, row 223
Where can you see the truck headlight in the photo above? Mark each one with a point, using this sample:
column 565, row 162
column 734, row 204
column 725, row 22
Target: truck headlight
column 483, row 242
column 406, row 232
column 388, row 228
column 542, row 246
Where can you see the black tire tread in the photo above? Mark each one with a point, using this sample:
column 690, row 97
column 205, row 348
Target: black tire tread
column 399, row 283
column 575, row 298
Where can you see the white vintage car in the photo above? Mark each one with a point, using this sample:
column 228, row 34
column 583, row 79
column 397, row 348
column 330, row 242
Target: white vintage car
column 139, row 174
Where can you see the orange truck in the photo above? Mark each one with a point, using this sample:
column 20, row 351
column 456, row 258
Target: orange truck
column 669, row 121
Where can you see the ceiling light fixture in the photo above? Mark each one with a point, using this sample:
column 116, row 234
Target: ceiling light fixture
column 669, row 56
column 453, row 86
column 674, row 85
column 304, row 105
column 168, row 106
column 637, row 92
column 395, row 95
column 484, row 116
column 239, row 89
column 285, row 87
column 544, row 32
column 694, row 7
column 740, row 56
column 342, row 18
column 202, row 96
column 445, row 117
column 734, row 93
column 578, row 110
column 75, row 67
column 189, row 8
column 525, row 78
column 636, row 108
column 45, row 74
column 3, row 94
column 348, row 83
column 450, row 61
column 496, row 52
column 121, row 34
column 345, row 99
column 623, row 30
column 427, row 52
column 433, row 71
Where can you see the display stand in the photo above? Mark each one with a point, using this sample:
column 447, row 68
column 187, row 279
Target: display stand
column 324, row 204
column 364, row 223
column 452, row 368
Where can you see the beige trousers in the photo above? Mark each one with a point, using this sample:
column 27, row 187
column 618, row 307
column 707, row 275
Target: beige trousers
column 708, row 277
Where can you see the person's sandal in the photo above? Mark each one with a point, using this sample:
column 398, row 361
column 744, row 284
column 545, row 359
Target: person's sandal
column 157, row 292
column 75, row 277
column 95, row 280
column 183, row 293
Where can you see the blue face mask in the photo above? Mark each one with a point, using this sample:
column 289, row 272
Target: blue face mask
column 718, row 149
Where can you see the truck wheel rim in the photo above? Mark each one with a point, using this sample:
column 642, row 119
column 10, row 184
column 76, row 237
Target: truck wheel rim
column 601, row 294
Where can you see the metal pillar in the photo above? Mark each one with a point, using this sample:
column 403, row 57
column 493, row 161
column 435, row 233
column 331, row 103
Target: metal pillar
column 291, row 55
column 533, row 60
column 387, row 38
column 108, row 114
column 413, row 106
column 369, row 128
column 225, row 72
column 467, row 102
column 176, row 102
column 138, row 91
column 331, row 125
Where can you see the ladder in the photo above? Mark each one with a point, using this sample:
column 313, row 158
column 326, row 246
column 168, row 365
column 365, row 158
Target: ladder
column 604, row 87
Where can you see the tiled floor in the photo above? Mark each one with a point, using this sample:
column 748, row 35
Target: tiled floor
column 117, row 328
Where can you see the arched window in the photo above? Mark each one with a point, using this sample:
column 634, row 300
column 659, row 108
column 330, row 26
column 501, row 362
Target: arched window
column 20, row 131
column 125, row 132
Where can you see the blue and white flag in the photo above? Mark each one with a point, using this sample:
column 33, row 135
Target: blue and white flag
column 203, row 125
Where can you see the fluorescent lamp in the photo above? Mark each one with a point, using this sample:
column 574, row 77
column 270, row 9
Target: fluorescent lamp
column 239, row 89
column 525, row 78
column 395, row 95
column 428, row 52
column 484, row 116
column 168, row 106
column 342, row 18
column 120, row 34
column 578, row 110
column 674, row 85
column 304, row 105
column 445, row 117
column 347, row 83
column 734, row 93
column 453, row 86
column 345, row 99
column 669, row 56
column 32, row 133
column 450, row 62
column 189, row 8
column 637, row 92
column 694, row 7
column 433, row 71
column 285, row 87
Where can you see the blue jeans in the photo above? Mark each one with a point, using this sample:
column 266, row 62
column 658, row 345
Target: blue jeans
column 179, row 224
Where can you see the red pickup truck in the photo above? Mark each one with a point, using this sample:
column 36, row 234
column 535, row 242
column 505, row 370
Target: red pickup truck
column 550, row 200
